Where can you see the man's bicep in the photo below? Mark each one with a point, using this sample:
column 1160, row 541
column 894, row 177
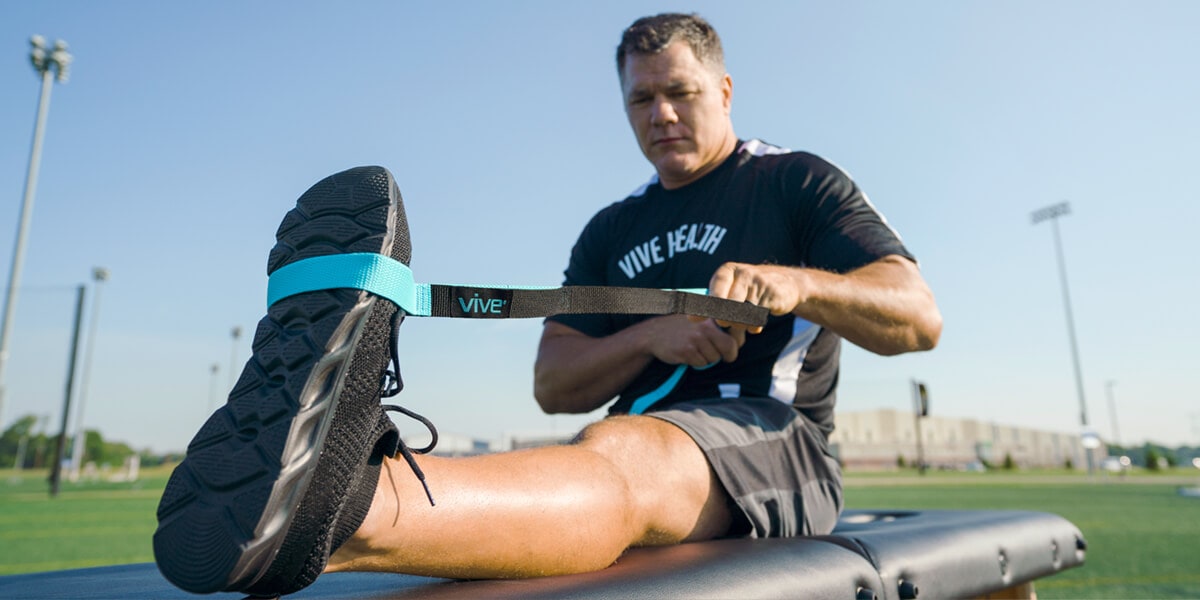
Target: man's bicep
column 835, row 227
column 860, row 236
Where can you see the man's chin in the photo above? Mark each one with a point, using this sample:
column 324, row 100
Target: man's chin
column 675, row 168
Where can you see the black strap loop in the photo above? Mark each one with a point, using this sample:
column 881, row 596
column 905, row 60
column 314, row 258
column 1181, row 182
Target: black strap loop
column 501, row 303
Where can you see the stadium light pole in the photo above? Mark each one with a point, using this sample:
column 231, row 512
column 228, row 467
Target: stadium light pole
column 1052, row 213
column 1112, row 410
column 1196, row 426
column 99, row 275
column 53, row 65
column 39, row 453
column 19, row 463
column 212, row 387
column 60, row 442
column 235, row 333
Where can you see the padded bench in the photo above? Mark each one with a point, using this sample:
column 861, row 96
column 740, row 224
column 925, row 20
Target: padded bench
column 884, row 555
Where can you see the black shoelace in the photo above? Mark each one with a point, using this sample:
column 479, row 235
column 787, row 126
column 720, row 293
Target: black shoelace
column 391, row 386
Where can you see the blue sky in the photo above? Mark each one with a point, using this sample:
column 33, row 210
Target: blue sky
column 188, row 129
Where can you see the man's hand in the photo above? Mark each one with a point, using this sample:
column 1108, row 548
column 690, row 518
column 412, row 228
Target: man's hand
column 678, row 340
column 575, row 373
column 770, row 286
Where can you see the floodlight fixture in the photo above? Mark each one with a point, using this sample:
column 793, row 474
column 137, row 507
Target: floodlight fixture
column 1051, row 212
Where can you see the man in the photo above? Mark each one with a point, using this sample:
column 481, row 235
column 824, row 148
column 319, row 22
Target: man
column 786, row 231
column 297, row 474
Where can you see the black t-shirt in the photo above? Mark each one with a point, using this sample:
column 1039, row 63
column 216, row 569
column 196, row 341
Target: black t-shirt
column 762, row 205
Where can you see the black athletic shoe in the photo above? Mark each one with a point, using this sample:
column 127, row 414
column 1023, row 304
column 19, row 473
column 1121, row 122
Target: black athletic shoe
column 284, row 473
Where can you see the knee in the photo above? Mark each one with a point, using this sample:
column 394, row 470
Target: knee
column 628, row 438
column 649, row 454
column 602, row 436
column 669, row 486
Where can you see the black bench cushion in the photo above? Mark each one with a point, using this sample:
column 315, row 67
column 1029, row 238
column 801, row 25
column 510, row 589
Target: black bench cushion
column 960, row 553
column 871, row 554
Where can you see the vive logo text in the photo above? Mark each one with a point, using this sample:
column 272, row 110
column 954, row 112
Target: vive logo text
column 479, row 305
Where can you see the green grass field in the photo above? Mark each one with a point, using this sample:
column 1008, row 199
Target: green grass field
column 1142, row 535
column 87, row 525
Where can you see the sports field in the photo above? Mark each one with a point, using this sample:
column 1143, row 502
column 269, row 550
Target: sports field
column 1143, row 536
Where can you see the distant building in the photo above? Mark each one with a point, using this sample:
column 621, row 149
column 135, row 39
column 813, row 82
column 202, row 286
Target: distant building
column 520, row 442
column 877, row 439
column 451, row 444
column 869, row 440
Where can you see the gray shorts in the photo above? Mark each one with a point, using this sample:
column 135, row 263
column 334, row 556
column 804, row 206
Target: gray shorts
column 773, row 462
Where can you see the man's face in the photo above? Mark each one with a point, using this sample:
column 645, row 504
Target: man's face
column 679, row 110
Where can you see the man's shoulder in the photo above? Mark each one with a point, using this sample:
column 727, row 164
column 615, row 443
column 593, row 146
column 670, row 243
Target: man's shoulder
column 767, row 156
column 641, row 190
column 758, row 148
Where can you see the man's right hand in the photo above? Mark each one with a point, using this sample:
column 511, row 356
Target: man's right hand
column 678, row 340
column 575, row 373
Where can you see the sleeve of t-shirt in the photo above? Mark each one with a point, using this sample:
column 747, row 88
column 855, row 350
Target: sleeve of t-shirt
column 838, row 229
column 587, row 266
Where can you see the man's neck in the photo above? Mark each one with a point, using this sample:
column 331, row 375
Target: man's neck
column 727, row 149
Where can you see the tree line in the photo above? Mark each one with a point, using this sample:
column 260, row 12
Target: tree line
column 25, row 445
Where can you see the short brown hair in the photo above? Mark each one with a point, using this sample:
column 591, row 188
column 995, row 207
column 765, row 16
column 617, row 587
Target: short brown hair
column 651, row 35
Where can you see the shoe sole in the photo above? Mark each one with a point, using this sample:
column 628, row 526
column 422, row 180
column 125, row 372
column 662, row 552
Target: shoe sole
column 228, row 507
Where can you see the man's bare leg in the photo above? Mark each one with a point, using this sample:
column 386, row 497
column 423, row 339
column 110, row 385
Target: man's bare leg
column 626, row 481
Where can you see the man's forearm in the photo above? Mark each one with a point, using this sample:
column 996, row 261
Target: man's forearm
column 575, row 373
column 884, row 307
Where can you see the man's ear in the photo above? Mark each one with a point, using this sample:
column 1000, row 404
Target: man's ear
column 727, row 92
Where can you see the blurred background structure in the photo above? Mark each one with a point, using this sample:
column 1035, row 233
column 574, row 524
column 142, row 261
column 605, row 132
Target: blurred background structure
column 53, row 65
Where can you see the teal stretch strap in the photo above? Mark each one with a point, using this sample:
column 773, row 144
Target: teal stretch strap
column 375, row 273
column 641, row 404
